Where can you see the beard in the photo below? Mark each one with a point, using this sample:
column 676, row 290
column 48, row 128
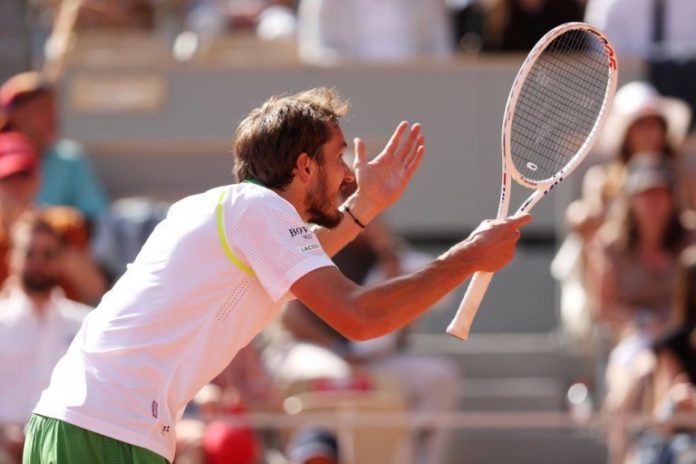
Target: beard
column 319, row 203
column 39, row 282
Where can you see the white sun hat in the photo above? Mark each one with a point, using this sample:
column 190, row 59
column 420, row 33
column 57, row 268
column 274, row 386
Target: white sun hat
column 637, row 100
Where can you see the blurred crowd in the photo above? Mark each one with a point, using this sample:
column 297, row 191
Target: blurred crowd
column 627, row 268
column 329, row 30
column 326, row 31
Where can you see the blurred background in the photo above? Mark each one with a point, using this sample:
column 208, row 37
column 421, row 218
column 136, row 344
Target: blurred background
column 583, row 350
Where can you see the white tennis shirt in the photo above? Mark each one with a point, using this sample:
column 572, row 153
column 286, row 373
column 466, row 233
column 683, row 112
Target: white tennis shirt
column 209, row 278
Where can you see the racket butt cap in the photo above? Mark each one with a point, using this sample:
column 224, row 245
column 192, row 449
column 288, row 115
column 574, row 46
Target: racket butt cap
column 462, row 335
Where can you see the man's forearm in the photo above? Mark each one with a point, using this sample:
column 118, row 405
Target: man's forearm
column 361, row 313
column 366, row 312
column 396, row 302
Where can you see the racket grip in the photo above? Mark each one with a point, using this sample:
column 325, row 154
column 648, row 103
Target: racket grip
column 461, row 323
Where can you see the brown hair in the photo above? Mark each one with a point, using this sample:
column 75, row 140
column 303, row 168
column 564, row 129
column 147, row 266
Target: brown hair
column 625, row 154
column 625, row 227
column 30, row 222
column 686, row 288
column 269, row 140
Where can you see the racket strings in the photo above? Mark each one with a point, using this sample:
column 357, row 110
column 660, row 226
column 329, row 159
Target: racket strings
column 559, row 105
column 561, row 95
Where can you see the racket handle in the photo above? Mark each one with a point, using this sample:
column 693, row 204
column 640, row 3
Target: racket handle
column 461, row 323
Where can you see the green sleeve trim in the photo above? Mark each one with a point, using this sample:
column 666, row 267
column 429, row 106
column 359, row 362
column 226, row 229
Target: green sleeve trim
column 223, row 239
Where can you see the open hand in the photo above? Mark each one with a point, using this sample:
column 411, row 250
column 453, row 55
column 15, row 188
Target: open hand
column 385, row 178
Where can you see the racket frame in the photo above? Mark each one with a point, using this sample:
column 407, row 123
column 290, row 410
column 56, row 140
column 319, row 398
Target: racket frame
column 463, row 319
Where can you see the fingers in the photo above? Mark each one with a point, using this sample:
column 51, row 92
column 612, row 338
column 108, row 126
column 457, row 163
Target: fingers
column 511, row 222
column 360, row 152
column 414, row 162
column 395, row 139
column 519, row 220
column 412, row 154
column 494, row 243
column 414, row 135
column 514, row 223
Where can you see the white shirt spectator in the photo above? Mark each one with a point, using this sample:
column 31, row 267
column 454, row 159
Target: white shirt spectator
column 372, row 30
column 30, row 346
column 629, row 24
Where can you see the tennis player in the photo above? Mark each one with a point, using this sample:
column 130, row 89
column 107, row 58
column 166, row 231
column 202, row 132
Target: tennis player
column 220, row 267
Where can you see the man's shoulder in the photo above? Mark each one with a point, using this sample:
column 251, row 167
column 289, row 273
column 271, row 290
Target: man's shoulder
column 234, row 201
column 8, row 309
column 251, row 197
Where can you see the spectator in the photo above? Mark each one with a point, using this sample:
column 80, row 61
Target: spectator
column 658, row 33
column 269, row 19
column 596, row 12
column 330, row 31
column 37, row 323
column 634, row 275
column 313, row 446
column 19, row 182
column 641, row 122
column 637, row 252
column 468, row 17
column 516, row 25
column 674, row 375
column 123, row 15
column 67, row 177
column 629, row 24
column 661, row 382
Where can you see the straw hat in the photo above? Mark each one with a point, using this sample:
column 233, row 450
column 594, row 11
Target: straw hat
column 637, row 100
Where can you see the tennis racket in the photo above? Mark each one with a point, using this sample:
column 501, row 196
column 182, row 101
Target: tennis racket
column 556, row 107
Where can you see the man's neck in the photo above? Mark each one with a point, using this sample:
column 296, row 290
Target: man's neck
column 295, row 195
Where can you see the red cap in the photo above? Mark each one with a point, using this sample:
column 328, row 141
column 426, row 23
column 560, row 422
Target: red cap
column 21, row 85
column 16, row 154
column 225, row 443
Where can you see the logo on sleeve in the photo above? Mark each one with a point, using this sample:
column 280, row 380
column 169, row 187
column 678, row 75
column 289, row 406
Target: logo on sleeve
column 302, row 231
column 309, row 248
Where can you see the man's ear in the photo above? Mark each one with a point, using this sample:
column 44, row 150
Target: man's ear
column 304, row 167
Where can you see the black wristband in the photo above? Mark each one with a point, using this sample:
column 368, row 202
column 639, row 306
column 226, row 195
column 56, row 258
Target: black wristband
column 350, row 213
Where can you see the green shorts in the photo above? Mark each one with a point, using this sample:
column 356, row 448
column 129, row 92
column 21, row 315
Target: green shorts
column 52, row 441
